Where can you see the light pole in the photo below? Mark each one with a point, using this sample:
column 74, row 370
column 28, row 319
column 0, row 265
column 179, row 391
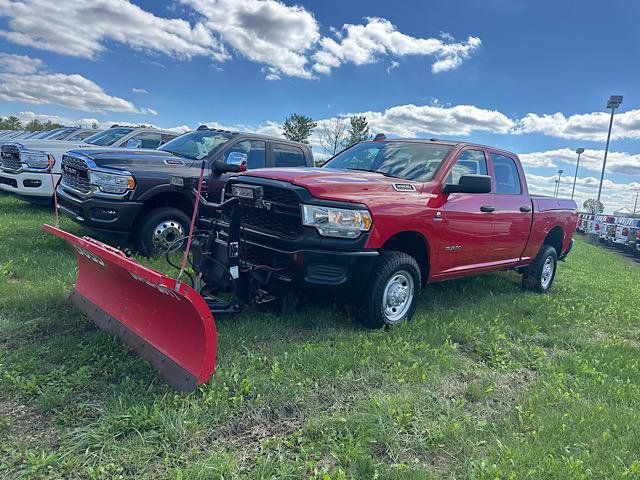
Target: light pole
column 560, row 172
column 579, row 151
column 636, row 204
column 613, row 103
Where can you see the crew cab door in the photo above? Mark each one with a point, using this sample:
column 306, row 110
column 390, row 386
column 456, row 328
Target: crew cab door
column 512, row 214
column 467, row 230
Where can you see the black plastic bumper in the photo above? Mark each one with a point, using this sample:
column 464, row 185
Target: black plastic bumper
column 342, row 273
column 113, row 218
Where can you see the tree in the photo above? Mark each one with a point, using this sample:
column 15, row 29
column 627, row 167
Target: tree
column 298, row 127
column 359, row 131
column 49, row 125
column 590, row 206
column 95, row 126
column 34, row 125
column 10, row 123
column 333, row 135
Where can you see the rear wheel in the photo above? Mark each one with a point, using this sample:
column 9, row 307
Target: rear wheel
column 392, row 296
column 540, row 274
column 160, row 229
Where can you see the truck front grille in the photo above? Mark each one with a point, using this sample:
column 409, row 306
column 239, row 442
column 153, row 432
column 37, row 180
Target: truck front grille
column 75, row 174
column 10, row 159
column 280, row 216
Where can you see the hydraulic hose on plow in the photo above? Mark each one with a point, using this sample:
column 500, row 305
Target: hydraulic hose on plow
column 162, row 319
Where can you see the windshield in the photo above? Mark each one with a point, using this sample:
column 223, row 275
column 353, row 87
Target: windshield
column 65, row 132
column 416, row 161
column 108, row 137
column 47, row 133
column 81, row 135
column 196, row 145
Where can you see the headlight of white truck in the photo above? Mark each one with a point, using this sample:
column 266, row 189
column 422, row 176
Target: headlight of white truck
column 336, row 222
column 112, row 182
column 35, row 158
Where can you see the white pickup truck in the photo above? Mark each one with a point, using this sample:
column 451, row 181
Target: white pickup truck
column 24, row 164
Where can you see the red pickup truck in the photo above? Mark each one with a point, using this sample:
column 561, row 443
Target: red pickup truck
column 382, row 218
column 375, row 224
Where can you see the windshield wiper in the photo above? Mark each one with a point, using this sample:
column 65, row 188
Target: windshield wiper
column 386, row 174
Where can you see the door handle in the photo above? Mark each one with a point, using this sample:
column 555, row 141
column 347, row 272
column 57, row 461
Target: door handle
column 487, row 208
column 525, row 209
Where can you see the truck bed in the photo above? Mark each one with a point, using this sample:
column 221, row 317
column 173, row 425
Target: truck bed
column 543, row 203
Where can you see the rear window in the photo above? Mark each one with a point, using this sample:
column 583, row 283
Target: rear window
column 506, row 173
column 287, row 156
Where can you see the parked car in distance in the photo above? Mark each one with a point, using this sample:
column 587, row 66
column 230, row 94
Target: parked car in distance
column 127, row 195
column 24, row 164
column 384, row 217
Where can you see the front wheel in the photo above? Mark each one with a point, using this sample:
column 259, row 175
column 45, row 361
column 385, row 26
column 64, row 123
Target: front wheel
column 393, row 291
column 160, row 231
column 540, row 274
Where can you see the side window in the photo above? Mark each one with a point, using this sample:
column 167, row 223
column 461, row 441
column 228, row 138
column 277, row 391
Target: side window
column 165, row 137
column 469, row 162
column 250, row 152
column 287, row 156
column 507, row 177
column 145, row 140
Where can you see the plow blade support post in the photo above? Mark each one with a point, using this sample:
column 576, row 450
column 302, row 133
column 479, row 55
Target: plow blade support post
column 166, row 322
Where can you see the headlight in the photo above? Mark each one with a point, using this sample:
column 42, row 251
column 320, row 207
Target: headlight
column 35, row 158
column 336, row 222
column 112, row 182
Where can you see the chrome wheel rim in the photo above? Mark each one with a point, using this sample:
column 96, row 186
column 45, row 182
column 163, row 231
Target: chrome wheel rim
column 398, row 296
column 547, row 272
column 166, row 235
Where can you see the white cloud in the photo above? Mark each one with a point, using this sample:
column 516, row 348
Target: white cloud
column 139, row 90
column 412, row 120
column 364, row 44
column 23, row 79
column 266, row 32
column 81, row 28
column 281, row 37
column 617, row 162
column 585, row 126
column 614, row 195
column 27, row 116
column 392, row 66
column 20, row 64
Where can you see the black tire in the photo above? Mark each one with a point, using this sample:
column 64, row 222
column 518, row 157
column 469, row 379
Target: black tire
column 372, row 312
column 177, row 224
column 533, row 278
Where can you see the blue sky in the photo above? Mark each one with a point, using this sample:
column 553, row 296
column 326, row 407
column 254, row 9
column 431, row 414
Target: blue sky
column 493, row 72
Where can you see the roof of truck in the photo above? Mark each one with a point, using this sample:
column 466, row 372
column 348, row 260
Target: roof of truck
column 255, row 135
column 452, row 143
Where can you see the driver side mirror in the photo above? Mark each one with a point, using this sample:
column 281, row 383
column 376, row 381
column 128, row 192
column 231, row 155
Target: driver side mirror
column 470, row 184
column 218, row 167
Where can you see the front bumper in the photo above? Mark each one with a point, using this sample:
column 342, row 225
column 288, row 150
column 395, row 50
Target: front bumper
column 114, row 218
column 344, row 273
column 31, row 185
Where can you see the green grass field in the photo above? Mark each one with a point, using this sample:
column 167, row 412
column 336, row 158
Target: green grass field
column 487, row 382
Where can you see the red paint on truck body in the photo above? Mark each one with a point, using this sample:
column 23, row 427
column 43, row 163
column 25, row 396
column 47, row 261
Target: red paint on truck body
column 460, row 238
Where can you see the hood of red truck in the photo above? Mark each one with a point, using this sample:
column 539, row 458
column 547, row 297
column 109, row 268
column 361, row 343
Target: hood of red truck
column 342, row 185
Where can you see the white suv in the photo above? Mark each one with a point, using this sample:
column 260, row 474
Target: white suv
column 24, row 164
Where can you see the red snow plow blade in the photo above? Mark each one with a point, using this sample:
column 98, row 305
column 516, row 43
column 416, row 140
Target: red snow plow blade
column 169, row 326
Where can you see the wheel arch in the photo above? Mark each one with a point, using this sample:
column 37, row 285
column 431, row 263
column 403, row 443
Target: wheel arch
column 555, row 239
column 414, row 244
column 165, row 199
